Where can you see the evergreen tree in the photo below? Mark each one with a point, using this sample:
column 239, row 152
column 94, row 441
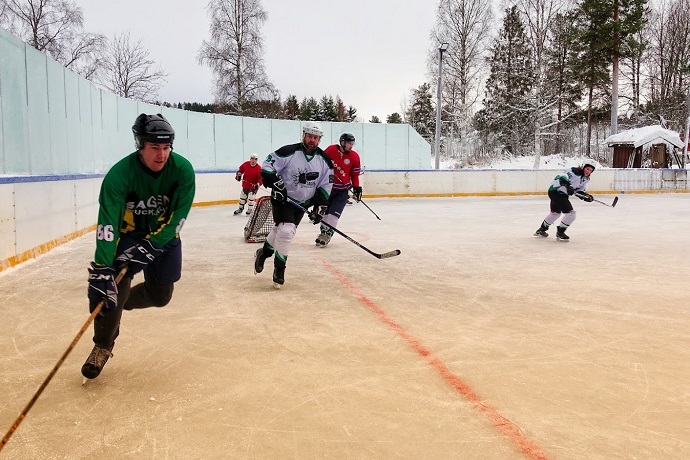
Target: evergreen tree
column 600, row 41
column 374, row 119
column 291, row 108
column 507, row 110
column 327, row 109
column 394, row 118
column 309, row 109
column 421, row 114
column 351, row 114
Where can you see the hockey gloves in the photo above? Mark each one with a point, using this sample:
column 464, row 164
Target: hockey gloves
column 357, row 193
column 317, row 212
column 255, row 188
column 102, row 286
column 279, row 193
column 139, row 255
column 570, row 189
column 584, row 196
column 238, row 176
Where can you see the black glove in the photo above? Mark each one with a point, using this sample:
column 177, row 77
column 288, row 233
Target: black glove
column 255, row 188
column 357, row 193
column 238, row 176
column 139, row 255
column 279, row 194
column 570, row 189
column 584, row 196
column 102, row 286
column 317, row 212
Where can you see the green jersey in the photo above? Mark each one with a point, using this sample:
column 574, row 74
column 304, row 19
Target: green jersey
column 141, row 203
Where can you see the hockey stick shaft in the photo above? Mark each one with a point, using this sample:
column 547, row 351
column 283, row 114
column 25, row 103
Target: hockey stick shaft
column 45, row 383
column 612, row 205
column 385, row 255
column 362, row 201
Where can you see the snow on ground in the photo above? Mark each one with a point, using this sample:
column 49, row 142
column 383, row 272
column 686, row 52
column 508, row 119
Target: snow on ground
column 526, row 162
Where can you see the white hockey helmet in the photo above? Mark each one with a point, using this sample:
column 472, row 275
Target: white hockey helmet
column 254, row 156
column 591, row 163
column 312, row 127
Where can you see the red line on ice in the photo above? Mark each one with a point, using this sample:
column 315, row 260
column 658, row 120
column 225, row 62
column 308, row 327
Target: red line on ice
column 529, row 448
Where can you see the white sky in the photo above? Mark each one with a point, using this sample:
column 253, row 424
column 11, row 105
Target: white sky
column 369, row 52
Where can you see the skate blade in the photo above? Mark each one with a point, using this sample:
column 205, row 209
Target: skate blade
column 562, row 241
column 277, row 286
column 84, row 380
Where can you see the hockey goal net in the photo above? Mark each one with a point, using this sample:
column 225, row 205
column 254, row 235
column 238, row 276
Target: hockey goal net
column 260, row 222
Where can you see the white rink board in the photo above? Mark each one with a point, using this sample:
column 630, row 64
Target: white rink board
column 7, row 228
column 44, row 212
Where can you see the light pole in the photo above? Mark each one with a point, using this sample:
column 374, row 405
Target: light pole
column 437, row 139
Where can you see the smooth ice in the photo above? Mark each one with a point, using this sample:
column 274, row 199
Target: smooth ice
column 478, row 341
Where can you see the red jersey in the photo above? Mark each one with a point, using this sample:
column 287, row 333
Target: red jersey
column 251, row 175
column 346, row 167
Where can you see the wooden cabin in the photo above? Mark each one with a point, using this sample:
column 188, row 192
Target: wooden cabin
column 646, row 147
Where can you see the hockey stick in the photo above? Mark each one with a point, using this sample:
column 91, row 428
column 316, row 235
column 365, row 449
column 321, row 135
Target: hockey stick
column 362, row 201
column 45, row 383
column 612, row 205
column 385, row 255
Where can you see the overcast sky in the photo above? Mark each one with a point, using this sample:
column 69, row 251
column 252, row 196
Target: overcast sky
column 369, row 52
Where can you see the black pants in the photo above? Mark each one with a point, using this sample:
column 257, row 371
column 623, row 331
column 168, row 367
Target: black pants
column 156, row 291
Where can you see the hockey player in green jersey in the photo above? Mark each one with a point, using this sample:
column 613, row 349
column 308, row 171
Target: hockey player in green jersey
column 303, row 173
column 144, row 201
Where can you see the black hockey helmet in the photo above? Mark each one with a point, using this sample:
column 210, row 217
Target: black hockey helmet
column 346, row 137
column 152, row 128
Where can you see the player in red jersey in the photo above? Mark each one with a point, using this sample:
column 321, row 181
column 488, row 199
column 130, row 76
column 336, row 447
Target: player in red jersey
column 346, row 170
column 249, row 173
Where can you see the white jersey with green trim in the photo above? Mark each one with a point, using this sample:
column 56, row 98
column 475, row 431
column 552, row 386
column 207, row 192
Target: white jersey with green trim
column 304, row 175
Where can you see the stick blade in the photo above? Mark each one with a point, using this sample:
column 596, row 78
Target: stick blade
column 386, row 255
column 615, row 200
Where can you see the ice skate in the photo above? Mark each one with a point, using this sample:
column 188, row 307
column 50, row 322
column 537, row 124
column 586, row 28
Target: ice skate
column 323, row 239
column 278, row 277
column 561, row 236
column 95, row 362
column 239, row 211
column 259, row 259
column 541, row 231
column 249, row 211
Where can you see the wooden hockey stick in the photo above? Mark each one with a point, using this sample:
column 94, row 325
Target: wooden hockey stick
column 385, row 255
column 45, row 383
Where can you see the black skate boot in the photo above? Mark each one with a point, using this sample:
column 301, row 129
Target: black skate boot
column 239, row 211
column 561, row 236
column 542, row 231
column 278, row 276
column 95, row 362
column 259, row 258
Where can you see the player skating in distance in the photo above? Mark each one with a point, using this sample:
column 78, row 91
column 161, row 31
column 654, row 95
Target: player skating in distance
column 572, row 181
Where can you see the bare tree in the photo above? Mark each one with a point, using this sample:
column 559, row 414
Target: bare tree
column 128, row 70
column 539, row 17
column 466, row 26
column 54, row 27
column 235, row 52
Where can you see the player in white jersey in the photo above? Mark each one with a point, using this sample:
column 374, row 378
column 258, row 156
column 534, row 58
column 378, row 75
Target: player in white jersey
column 305, row 174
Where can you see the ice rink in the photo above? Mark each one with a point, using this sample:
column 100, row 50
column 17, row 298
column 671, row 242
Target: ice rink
column 479, row 341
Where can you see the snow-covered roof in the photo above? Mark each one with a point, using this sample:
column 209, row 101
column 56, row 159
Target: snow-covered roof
column 646, row 135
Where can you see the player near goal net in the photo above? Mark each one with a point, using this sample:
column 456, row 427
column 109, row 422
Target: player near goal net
column 249, row 173
column 302, row 172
